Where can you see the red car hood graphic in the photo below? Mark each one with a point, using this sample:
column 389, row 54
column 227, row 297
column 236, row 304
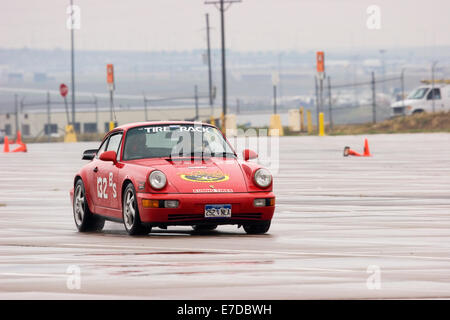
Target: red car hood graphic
column 201, row 176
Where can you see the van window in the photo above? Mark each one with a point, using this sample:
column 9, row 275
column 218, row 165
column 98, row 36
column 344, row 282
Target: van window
column 418, row 93
column 436, row 92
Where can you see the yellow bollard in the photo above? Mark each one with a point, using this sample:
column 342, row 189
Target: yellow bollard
column 321, row 126
column 309, row 121
column 275, row 126
column 212, row 121
column 70, row 135
column 302, row 126
column 111, row 125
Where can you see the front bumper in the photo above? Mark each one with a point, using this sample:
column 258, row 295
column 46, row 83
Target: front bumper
column 191, row 208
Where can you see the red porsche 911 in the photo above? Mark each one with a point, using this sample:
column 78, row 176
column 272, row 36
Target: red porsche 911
column 160, row 174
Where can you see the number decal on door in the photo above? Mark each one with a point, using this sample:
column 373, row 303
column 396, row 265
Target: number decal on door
column 102, row 186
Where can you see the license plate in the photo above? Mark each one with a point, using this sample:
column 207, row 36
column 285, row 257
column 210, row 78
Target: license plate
column 218, row 211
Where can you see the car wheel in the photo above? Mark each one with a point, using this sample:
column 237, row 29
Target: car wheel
column 130, row 213
column 85, row 220
column 204, row 227
column 257, row 228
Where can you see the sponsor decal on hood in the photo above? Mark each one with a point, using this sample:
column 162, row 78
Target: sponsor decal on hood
column 204, row 176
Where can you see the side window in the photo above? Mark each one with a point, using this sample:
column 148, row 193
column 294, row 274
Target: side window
column 436, row 92
column 114, row 142
column 102, row 148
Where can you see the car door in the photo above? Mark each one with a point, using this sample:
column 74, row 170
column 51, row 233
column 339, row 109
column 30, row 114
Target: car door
column 107, row 178
column 438, row 104
column 92, row 175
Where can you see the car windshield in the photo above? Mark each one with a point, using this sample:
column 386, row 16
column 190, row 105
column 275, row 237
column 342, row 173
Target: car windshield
column 418, row 93
column 170, row 141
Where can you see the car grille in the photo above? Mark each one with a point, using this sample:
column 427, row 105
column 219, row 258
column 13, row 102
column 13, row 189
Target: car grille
column 185, row 216
column 398, row 110
column 172, row 217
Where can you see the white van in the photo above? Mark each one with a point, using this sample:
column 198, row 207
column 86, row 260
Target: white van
column 420, row 100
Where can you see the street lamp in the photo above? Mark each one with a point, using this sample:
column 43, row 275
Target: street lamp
column 402, row 79
column 432, row 83
column 275, row 82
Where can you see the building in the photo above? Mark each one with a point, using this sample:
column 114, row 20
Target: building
column 35, row 123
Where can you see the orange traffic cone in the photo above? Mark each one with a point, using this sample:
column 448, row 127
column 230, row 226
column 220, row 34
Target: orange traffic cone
column 19, row 137
column 350, row 152
column 366, row 149
column 21, row 148
column 6, row 145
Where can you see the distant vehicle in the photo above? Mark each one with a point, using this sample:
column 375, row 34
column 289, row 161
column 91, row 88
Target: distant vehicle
column 158, row 174
column 421, row 99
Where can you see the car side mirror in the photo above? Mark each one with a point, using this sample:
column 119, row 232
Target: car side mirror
column 89, row 154
column 248, row 154
column 109, row 156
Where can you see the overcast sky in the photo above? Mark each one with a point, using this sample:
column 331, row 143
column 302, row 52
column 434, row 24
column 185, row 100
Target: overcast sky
column 252, row 25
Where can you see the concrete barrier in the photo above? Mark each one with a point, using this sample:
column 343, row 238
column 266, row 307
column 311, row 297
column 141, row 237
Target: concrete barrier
column 294, row 120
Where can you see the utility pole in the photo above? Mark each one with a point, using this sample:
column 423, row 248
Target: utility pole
column 374, row 102
column 16, row 104
column 211, row 102
column 402, row 80
column 330, row 113
column 432, row 83
column 383, row 71
column 196, row 102
column 274, row 99
column 49, row 124
column 145, row 108
column 222, row 10
column 72, row 60
column 96, row 113
column 317, row 101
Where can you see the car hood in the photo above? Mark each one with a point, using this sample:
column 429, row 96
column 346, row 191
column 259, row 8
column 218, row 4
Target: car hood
column 201, row 175
column 402, row 103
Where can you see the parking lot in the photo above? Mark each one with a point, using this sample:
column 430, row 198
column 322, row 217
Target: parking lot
column 376, row 227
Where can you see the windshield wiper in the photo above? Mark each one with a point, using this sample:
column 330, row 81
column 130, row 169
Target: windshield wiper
column 223, row 154
column 190, row 155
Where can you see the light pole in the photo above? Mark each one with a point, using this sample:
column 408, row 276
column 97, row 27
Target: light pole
column 402, row 79
column 72, row 61
column 383, row 71
column 275, row 82
column 432, row 83
column 222, row 9
column 209, row 66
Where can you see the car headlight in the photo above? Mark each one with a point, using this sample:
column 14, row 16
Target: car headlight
column 263, row 178
column 157, row 179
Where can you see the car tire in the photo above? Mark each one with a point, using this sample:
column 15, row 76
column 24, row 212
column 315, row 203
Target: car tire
column 204, row 227
column 257, row 228
column 85, row 220
column 130, row 213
